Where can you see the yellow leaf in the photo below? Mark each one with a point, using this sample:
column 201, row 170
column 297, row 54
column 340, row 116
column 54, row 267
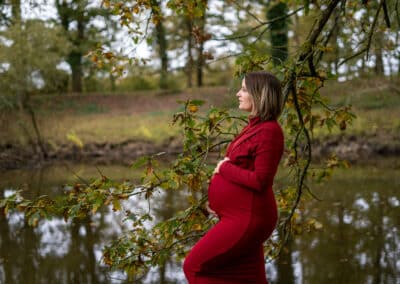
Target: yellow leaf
column 75, row 139
column 116, row 205
column 196, row 227
column 145, row 131
column 106, row 4
column 193, row 108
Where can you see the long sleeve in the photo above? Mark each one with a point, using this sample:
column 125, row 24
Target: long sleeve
column 268, row 152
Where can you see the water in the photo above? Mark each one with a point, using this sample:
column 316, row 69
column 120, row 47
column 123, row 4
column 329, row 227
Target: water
column 359, row 241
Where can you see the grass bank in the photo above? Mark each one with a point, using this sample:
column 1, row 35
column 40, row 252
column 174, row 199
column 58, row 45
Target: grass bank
column 114, row 118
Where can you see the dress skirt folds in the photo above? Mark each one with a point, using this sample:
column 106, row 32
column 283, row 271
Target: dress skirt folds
column 241, row 195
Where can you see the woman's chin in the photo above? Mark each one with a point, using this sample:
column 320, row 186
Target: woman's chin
column 243, row 108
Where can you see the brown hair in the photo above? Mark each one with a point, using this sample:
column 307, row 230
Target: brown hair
column 266, row 94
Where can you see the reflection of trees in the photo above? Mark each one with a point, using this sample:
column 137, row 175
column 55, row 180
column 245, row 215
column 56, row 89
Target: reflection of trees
column 167, row 206
column 355, row 245
column 23, row 263
column 29, row 257
column 18, row 247
column 5, row 255
column 21, row 249
column 83, row 269
column 359, row 242
column 378, row 232
column 284, row 263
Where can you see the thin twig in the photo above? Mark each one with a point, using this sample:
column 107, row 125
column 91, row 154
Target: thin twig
column 353, row 56
column 247, row 11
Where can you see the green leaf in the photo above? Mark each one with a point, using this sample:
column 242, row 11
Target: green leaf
column 140, row 162
column 197, row 102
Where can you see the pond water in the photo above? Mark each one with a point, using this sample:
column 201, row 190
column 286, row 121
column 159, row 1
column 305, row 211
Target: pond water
column 359, row 241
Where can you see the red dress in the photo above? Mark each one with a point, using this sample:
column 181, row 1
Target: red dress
column 241, row 195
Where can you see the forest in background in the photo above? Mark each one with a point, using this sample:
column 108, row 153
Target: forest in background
column 91, row 46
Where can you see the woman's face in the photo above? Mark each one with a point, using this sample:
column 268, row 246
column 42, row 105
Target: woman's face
column 245, row 102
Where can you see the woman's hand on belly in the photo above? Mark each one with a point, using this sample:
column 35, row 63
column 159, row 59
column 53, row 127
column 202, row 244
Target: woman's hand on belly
column 216, row 170
column 210, row 211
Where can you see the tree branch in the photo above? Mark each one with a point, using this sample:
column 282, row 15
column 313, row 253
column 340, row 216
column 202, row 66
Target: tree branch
column 385, row 11
column 330, row 33
column 232, row 37
column 304, row 170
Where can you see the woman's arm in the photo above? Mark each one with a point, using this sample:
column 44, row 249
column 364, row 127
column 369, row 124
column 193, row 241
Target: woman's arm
column 267, row 156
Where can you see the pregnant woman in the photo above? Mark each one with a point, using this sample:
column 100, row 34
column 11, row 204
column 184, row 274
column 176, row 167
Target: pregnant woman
column 240, row 193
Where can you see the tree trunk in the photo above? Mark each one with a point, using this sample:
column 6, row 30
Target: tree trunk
column 74, row 60
column 113, row 86
column 39, row 139
column 67, row 16
column 163, row 57
column 200, row 48
column 397, row 42
column 189, row 64
column 378, row 44
column 162, row 44
column 379, row 69
column 279, row 33
column 77, row 73
column 200, row 63
column 16, row 11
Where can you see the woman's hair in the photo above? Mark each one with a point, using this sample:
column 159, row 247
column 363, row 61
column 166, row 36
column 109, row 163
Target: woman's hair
column 266, row 94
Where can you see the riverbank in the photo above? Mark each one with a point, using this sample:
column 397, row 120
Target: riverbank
column 352, row 148
column 118, row 128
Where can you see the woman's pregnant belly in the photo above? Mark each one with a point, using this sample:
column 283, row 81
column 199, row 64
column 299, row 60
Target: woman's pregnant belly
column 227, row 198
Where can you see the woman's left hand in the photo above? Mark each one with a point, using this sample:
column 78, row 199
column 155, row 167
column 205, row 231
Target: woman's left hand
column 216, row 170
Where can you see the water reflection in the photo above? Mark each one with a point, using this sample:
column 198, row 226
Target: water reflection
column 358, row 244
column 360, row 239
column 54, row 252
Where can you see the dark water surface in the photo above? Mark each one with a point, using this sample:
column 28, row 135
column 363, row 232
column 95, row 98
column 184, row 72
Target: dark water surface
column 359, row 241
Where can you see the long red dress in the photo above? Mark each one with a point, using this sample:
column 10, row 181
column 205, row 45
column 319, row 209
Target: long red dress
column 241, row 195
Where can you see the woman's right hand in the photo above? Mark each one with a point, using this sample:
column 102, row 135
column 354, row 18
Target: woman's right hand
column 210, row 211
column 216, row 170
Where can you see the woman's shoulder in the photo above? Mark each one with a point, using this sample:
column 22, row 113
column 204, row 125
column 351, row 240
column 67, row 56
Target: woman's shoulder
column 272, row 125
column 269, row 128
